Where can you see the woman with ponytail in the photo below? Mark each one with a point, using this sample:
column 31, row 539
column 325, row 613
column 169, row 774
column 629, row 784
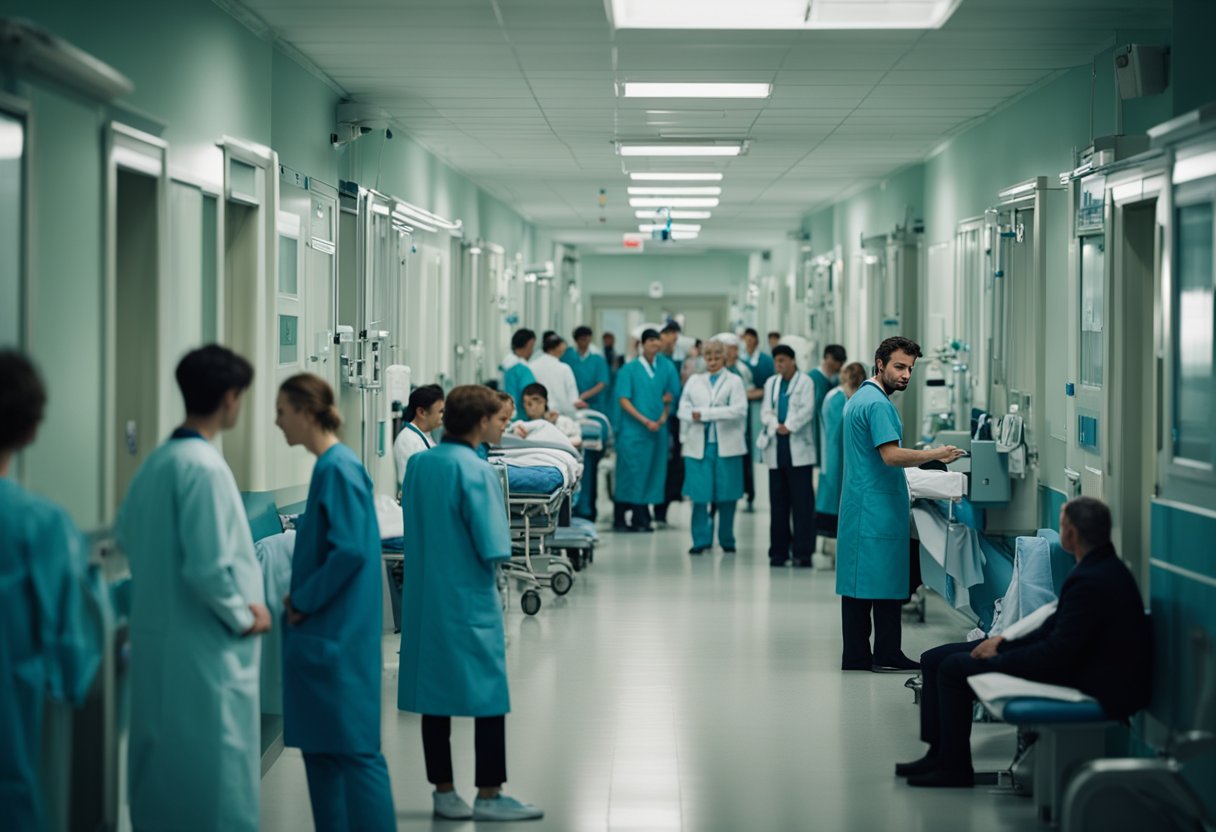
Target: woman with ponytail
column 331, row 646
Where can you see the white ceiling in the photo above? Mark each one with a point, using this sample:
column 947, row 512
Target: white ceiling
column 519, row 95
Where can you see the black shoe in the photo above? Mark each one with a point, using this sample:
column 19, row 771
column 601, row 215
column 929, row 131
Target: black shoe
column 698, row 550
column 855, row 666
column 729, row 550
column 616, row 527
column 943, row 779
column 924, row 765
column 778, row 564
column 803, row 563
column 901, row 664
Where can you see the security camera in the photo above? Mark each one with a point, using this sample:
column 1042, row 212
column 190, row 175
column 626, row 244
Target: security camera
column 388, row 134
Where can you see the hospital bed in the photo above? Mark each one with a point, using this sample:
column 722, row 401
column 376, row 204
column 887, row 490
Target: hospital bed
column 538, row 505
column 597, row 430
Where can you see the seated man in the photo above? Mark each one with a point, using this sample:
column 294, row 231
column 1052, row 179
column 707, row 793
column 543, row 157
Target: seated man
column 536, row 409
column 1096, row 641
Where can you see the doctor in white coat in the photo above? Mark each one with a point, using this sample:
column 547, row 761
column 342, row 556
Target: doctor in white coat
column 787, row 413
column 424, row 413
column 713, row 415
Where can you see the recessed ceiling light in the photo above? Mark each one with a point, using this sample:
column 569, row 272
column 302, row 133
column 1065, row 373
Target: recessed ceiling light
column 675, row 215
column 734, row 148
column 675, row 177
column 673, row 202
column 782, row 14
column 674, row 190
column 646, row 89
column 684, row 235
column 652, row 227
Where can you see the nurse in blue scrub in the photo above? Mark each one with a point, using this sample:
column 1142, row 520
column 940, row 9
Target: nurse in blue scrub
column 643, row 389
column 197, row 605
column 453, row 648
column 49, row 643
column 826, row 377
column 591, row 375
column 516, row 374
column 872, row 565
column 331, row 646
column 831, row 463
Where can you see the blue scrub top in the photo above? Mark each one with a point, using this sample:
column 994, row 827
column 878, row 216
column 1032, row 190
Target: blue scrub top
column 823, row 386
column 515, row 380
column 831, row 468
column 331, row 659
column 453, row 647
column 873, row 536
column 762, row 369
column 590, row 370
column 51, row 646
column 641, row 455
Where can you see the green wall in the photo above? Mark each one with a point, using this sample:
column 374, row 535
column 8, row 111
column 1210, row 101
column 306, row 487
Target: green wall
column 199, row 75
column 693, row 274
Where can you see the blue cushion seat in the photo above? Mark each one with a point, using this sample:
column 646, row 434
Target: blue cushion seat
column 1034, row 711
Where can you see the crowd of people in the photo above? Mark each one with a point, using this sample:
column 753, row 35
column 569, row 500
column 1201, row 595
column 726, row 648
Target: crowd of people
column 198, row 606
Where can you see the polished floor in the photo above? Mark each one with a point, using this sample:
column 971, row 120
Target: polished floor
column 669, row 692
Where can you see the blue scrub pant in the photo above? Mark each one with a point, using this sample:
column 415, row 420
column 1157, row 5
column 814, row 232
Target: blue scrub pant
column 703, row 524
column 350, row 792
column 588, row 495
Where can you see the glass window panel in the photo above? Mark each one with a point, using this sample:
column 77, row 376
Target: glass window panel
column 289, row 266
column 12, row 149
column 289, row 338
column 1093, row 310
column 1193, row 321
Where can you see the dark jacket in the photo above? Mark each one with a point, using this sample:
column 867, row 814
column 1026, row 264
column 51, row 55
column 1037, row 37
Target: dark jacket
column 1097, row 641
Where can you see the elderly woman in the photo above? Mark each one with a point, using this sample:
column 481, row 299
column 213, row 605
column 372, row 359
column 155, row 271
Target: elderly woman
column 713, row 414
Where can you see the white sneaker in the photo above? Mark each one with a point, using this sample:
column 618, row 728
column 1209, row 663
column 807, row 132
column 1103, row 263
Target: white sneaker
column 504, row 808
column 451, row 806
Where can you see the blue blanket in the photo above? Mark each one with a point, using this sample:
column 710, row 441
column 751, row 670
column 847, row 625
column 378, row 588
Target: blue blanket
column 534, row 480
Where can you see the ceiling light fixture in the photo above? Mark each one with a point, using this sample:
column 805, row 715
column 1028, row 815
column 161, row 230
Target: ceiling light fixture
column 674, row 190
column 646, row 89
column 673, row 202
column 732, row 148
column 639, row 176
column 675, row 226
column 684, row 235
column 675, row 215
column 782, row 14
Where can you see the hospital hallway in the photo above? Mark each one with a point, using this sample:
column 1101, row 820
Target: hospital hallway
column 698, row 693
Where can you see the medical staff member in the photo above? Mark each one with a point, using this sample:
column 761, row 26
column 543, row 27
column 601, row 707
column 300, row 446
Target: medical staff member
column 593, row 378
column 557, row 377
column 872, row 569
column 641, row 443
column 425, row 413
column 197, row 605
column 831, row 463
column 786, row 415
column 754, row 393
column 331, row 647
column 760, row 362
column 713, row 413
column 516, row 374
column 50, row 646
column 453, row 647
column 670, row 365
column 826, row 376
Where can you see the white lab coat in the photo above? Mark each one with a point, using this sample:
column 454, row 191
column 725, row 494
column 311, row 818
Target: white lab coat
column 408, row 443
column 724, row 404
column 558, row 379
column 800, row 420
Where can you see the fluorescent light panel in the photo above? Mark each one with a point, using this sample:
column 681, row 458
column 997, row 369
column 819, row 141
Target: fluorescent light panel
column 647, row 89
column 639, row 176
column 675, row 215
column 675, row 226
column 673, row 202
column 685, row 235
column 675, row 191
column 781, row 14
column 679, row 149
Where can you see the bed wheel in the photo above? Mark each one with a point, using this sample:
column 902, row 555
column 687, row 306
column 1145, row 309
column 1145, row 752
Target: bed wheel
column 530, row 601
column 561, row 582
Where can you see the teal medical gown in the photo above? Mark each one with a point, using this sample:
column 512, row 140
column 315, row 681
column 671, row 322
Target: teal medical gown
column 50, row 639
column 331, row 659
column 641, row 456
column 831, row 463
column 873, row 536
column 823, row 386
column 453, row 649
column 590, row 370
column 514, row 380
column 195, row 757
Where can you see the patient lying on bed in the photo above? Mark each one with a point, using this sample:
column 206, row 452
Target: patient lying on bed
column 536, row 410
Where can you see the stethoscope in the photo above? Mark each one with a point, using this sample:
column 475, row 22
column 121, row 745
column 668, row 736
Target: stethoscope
column 420, row 434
